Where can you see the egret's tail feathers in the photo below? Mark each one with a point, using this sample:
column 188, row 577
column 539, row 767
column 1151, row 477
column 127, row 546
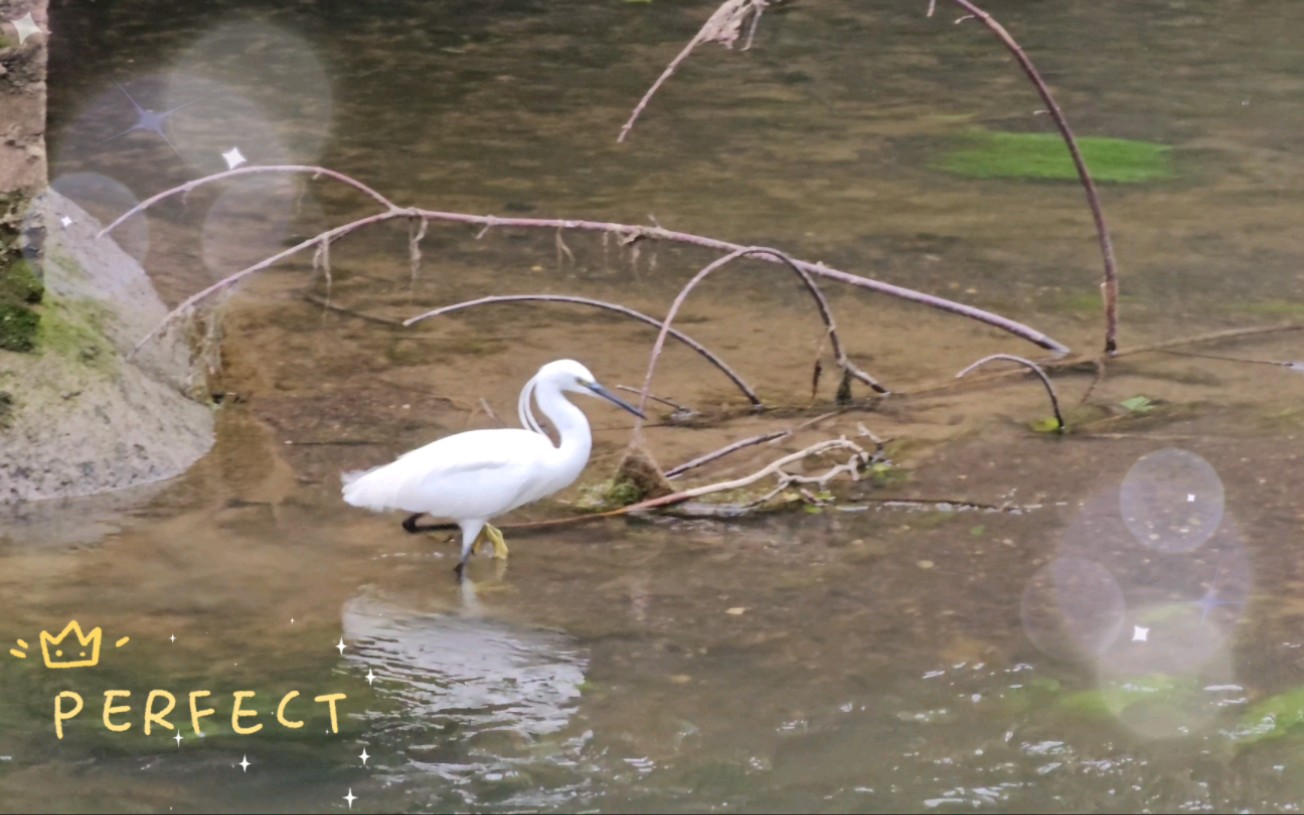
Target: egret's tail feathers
column 367, row 493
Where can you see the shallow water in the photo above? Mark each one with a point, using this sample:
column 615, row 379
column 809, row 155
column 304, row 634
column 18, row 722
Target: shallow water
column 1100, row 643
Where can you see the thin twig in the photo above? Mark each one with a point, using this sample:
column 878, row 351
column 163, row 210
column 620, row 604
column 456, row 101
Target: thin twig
column 415, row 236
column 1076, row 360
column 680, row 469
column 702, row 275
column 489, row 411
column 619, row 309
column 321, row 259
column 1109, row 288
column 230, row 280
column 670, row 403
column 1045, row 380
column 723, row 26
column 272, row 168
column 1283, row 363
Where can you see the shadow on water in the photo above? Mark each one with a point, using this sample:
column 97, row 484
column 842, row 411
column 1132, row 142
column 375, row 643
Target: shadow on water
column 1118, row 645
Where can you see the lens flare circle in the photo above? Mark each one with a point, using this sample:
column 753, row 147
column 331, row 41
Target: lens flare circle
column 1073, row 608
column 1172, row 500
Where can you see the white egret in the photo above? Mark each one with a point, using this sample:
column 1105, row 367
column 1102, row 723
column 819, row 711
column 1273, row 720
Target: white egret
column 474, row 476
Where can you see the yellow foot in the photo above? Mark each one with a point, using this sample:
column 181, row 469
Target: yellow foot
column 495, row 537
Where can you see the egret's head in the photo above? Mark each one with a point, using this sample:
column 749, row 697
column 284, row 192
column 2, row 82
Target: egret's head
column 569, row 375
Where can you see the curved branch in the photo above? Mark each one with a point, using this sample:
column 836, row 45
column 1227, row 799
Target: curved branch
column 585, row 301
column 826, row 314
column 699, row 277
column 274, row 168
column 230, row 280
column 1045, row 380
column 1110, row 287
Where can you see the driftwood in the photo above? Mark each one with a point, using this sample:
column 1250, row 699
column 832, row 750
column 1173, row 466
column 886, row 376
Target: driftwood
column 627, row 233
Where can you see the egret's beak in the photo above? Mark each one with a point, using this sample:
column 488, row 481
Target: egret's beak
column 611, row 397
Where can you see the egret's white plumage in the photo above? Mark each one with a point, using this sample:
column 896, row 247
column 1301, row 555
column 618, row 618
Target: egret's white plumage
column 474, row 476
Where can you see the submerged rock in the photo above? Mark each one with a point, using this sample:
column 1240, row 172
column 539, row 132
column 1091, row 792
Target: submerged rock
column 81, row 416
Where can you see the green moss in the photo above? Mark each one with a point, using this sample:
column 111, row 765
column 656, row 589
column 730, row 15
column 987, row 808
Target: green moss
column 6, row 409
column 985, row 154
column 621, row 492
column 74, row 329
column 21, row 284
column 18, row 327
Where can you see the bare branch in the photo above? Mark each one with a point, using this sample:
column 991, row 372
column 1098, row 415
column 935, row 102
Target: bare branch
column 712, row 267
column 724, row 26
column 230, row 280
column 680, row 469
column 585, row 301
column 628, row 234
column 185, row 188
column 415, row 236
column 1045, row 380
column 1109, row 288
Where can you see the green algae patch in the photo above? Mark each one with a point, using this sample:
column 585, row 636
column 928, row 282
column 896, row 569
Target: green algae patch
column 19, row 326
column 1044, row 156
column 73, row 328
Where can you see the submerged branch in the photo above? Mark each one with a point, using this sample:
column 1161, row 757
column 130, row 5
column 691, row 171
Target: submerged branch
column 627, row 233
column 1045, row 380
column 680, row 469
column 1109, row 288
column 720, row 263
column 585, row 301
column 185, row 188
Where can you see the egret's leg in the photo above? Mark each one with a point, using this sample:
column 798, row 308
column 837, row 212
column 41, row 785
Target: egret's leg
column 410, row 524
column 470, row 534
column 495, row 536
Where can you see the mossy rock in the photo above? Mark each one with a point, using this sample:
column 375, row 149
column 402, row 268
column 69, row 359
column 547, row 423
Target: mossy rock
column 1044, row 156
column 20, row 283
column 19, row 326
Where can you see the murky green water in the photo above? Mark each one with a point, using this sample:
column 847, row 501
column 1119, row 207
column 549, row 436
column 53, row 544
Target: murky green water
column 1118, row 644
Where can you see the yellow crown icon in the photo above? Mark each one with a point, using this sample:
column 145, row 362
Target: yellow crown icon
column 87, row 649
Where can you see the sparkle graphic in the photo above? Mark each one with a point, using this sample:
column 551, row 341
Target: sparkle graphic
column 244, row 763
column 1140, row 633
column 173, row 637
column 150, row 120
column 350, row 797
column 363, row 755
column 26, row 27
column 234, row 158
column 66, row 221
column 340, row 645
column 177, row 739
column 371, row 677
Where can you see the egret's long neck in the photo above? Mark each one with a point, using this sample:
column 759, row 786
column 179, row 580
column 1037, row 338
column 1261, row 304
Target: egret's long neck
column 571, row 424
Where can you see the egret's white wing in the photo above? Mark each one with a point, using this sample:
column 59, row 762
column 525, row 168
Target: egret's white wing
column 476, row 474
